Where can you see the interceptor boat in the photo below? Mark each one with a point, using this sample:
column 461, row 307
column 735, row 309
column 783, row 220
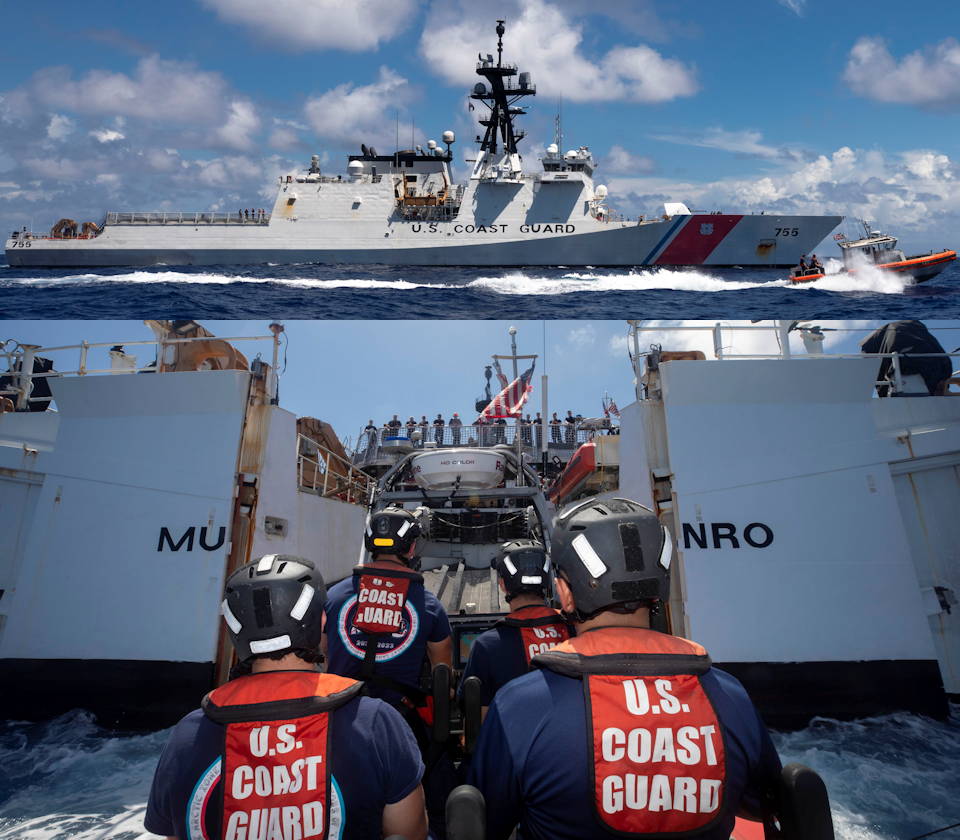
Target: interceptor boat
column 405, row 208
column 880, row 250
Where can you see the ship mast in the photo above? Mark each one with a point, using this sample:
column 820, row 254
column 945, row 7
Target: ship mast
column 499, row 94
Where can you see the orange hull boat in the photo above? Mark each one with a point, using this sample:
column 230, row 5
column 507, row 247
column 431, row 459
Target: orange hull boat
column 919, row 268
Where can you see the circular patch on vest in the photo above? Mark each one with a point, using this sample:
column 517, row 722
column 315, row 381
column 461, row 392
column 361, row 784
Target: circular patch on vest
column 390, row 646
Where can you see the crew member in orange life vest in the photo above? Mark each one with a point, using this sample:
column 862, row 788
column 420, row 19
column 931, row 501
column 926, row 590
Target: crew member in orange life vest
column 381, row 622
column 286, row 751
column 621, row 731
column 503, row 653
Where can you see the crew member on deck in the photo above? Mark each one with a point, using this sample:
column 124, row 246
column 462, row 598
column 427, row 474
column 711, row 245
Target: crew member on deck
column 438, row 425
column 503, row 653
column 456, row 424
column 283, row 750
column 668, row 745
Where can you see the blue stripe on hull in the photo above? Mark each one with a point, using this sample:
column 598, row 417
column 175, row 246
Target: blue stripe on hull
column 673, row 229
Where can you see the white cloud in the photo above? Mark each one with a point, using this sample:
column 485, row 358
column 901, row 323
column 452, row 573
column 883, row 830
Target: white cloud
column 59, row 127
column 913, row 192
column 582, row 336
column 353, row 114
column 746, row 142
column 160, row 90
column 551, row 47
column 619, row 161
column 795, row 6
column 928, row 77
column 320, row 24
column 242, row 121
column 106, row 135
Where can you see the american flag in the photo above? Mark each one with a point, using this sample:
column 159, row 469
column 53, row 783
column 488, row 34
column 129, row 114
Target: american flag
column 511, row 399
column 839, row 237
column 611, row 408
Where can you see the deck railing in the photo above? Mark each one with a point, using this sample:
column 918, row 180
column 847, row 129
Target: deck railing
column 329, row 475
column 177, row 217
column 781, row 330
column 373, row 444
column 18, row 360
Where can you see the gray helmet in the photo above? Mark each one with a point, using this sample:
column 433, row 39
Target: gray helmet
column 392, row 530
column 523, row 566
column 274, row 604
column 611, row 552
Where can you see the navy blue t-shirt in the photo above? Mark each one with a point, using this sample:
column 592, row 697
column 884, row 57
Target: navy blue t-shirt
column 496, row 657
column 400, row 655
column 374, row 761
column 531, row 759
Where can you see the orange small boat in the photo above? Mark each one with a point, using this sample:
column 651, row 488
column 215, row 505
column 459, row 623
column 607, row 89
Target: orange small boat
column 880, row 250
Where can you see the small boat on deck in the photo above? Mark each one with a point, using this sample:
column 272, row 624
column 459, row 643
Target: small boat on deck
column 880, row 250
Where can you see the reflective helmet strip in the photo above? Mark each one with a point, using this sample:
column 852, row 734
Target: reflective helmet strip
column 303, row 602
column 590, row 559
column 508, row 563
column 228, row 616
column 270, row 645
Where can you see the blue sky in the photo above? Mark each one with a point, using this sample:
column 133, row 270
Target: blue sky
column 789, row 105
column 347, row 372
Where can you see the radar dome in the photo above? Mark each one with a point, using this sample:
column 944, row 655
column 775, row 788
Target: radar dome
column 449, row 137
column 480, row 89
column 553, row 149
column 600, row 192
column 355, row 167
column 570, row 155
column 431, row 144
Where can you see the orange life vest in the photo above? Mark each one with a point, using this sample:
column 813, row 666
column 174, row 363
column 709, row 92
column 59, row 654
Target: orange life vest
column 658, row 760
column 276, row 756
column 541, row 628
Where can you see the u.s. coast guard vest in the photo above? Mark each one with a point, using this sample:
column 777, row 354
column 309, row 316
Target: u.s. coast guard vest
column 275, row 769
column 657, row 757
column 541, row 628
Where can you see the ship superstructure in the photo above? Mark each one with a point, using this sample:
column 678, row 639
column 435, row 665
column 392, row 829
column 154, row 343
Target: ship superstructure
column 405, row 209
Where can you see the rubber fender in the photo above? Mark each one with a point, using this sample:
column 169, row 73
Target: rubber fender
column 466, row 814
column 441, row 704
column 804, row 806
column 472, row 717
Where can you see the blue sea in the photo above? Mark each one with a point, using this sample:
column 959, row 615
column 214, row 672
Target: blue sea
column 377, row 292
column 889, row 778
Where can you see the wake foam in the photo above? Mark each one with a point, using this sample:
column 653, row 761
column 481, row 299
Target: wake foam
column 519, row 283
column 866, row 279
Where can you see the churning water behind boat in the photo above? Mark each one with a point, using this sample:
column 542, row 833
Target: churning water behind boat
column 313, row 291
column 889, row 777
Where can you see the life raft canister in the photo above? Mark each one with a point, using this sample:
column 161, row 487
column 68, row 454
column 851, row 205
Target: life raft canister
column 382, row 598
column 541, row 628
column 657, row 757
column 275, row 766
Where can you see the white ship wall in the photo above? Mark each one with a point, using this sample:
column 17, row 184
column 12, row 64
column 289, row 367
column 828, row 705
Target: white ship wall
column 327, row 531
column 792, row 446
column 132, row 455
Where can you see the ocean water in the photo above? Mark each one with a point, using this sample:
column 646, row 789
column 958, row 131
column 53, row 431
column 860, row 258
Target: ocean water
column 889, row 778
column 313, row 291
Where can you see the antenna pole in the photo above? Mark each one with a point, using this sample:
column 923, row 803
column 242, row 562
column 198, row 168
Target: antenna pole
column 500, row 30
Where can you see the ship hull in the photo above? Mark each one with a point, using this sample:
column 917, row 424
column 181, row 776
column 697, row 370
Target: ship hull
column 698, row 240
